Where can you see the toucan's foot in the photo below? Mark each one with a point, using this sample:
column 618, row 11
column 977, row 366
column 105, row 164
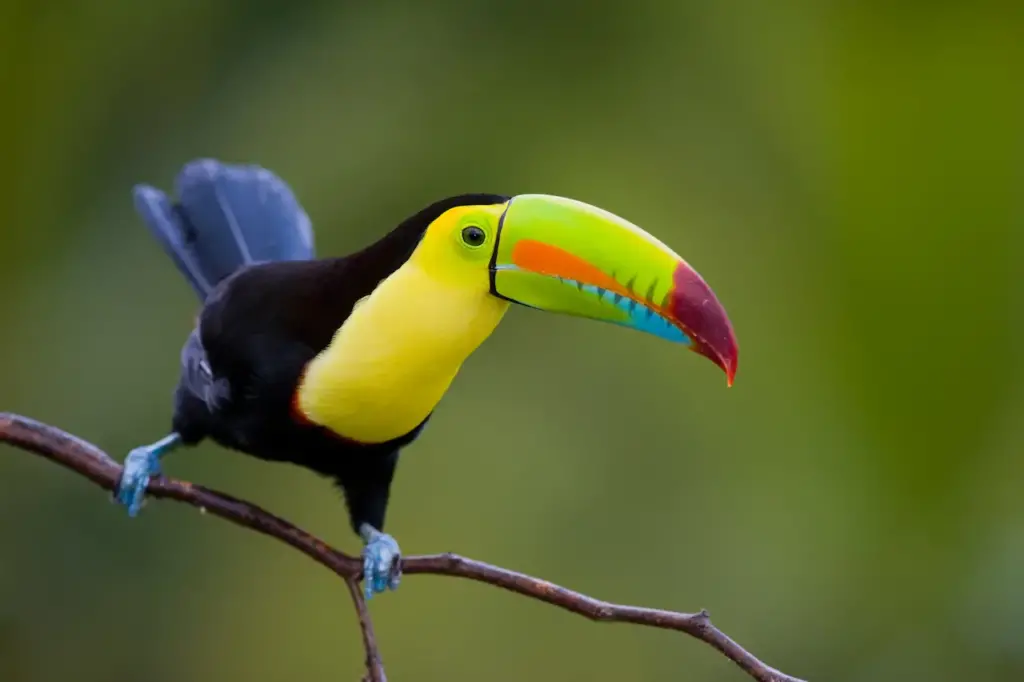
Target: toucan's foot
column 382, row 569
column 141, row 464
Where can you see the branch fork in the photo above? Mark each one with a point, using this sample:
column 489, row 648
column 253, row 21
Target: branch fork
column 89, row 461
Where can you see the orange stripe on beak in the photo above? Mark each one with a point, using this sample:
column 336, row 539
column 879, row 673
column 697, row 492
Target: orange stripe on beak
column 545, row 259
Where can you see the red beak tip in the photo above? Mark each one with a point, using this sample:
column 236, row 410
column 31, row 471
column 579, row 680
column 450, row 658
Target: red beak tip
column 730, row 372
column 730, row 361
column 702, row 316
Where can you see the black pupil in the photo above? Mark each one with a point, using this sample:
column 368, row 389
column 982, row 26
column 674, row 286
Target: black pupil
column 473, row 235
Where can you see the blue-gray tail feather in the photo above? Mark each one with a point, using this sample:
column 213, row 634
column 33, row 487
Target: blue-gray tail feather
column 226, row 217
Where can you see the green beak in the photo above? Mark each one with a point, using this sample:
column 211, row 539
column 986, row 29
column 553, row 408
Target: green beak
column 565, row 256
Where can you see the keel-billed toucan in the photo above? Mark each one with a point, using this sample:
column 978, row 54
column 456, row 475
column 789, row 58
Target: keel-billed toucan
column 336, row 364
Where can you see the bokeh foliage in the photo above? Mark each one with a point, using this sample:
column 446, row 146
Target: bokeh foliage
column 846, row 175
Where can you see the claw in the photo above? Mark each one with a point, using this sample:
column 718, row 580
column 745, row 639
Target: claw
column 140, row 466
column 381, row 564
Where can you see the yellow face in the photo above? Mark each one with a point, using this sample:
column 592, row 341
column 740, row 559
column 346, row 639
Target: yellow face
column 457, row 247
column 394, row 358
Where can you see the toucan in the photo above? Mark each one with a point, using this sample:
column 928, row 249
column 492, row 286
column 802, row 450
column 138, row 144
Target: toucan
column 336, row 364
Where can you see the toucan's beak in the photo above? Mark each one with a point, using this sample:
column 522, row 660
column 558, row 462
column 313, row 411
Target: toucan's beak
column 568, row 257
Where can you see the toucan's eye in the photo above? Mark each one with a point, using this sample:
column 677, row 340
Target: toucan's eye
column 473, row 235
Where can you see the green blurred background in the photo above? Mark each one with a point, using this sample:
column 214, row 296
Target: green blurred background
column 846, row 176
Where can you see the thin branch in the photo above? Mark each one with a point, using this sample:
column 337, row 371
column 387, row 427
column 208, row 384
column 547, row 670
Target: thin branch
column 374, row 665
column 94, row 464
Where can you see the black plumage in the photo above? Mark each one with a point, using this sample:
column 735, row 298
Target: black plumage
column 270, row 306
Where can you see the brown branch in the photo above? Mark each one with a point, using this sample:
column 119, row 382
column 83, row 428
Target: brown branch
column 374, row 666
column 91, row 462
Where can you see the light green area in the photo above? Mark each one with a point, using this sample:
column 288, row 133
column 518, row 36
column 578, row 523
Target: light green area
column 846, row 176
column 600, row 240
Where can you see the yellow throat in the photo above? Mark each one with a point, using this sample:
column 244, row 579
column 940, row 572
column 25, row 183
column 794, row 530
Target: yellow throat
column 393, row 359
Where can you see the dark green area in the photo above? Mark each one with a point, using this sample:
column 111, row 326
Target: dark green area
column 847, row 179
